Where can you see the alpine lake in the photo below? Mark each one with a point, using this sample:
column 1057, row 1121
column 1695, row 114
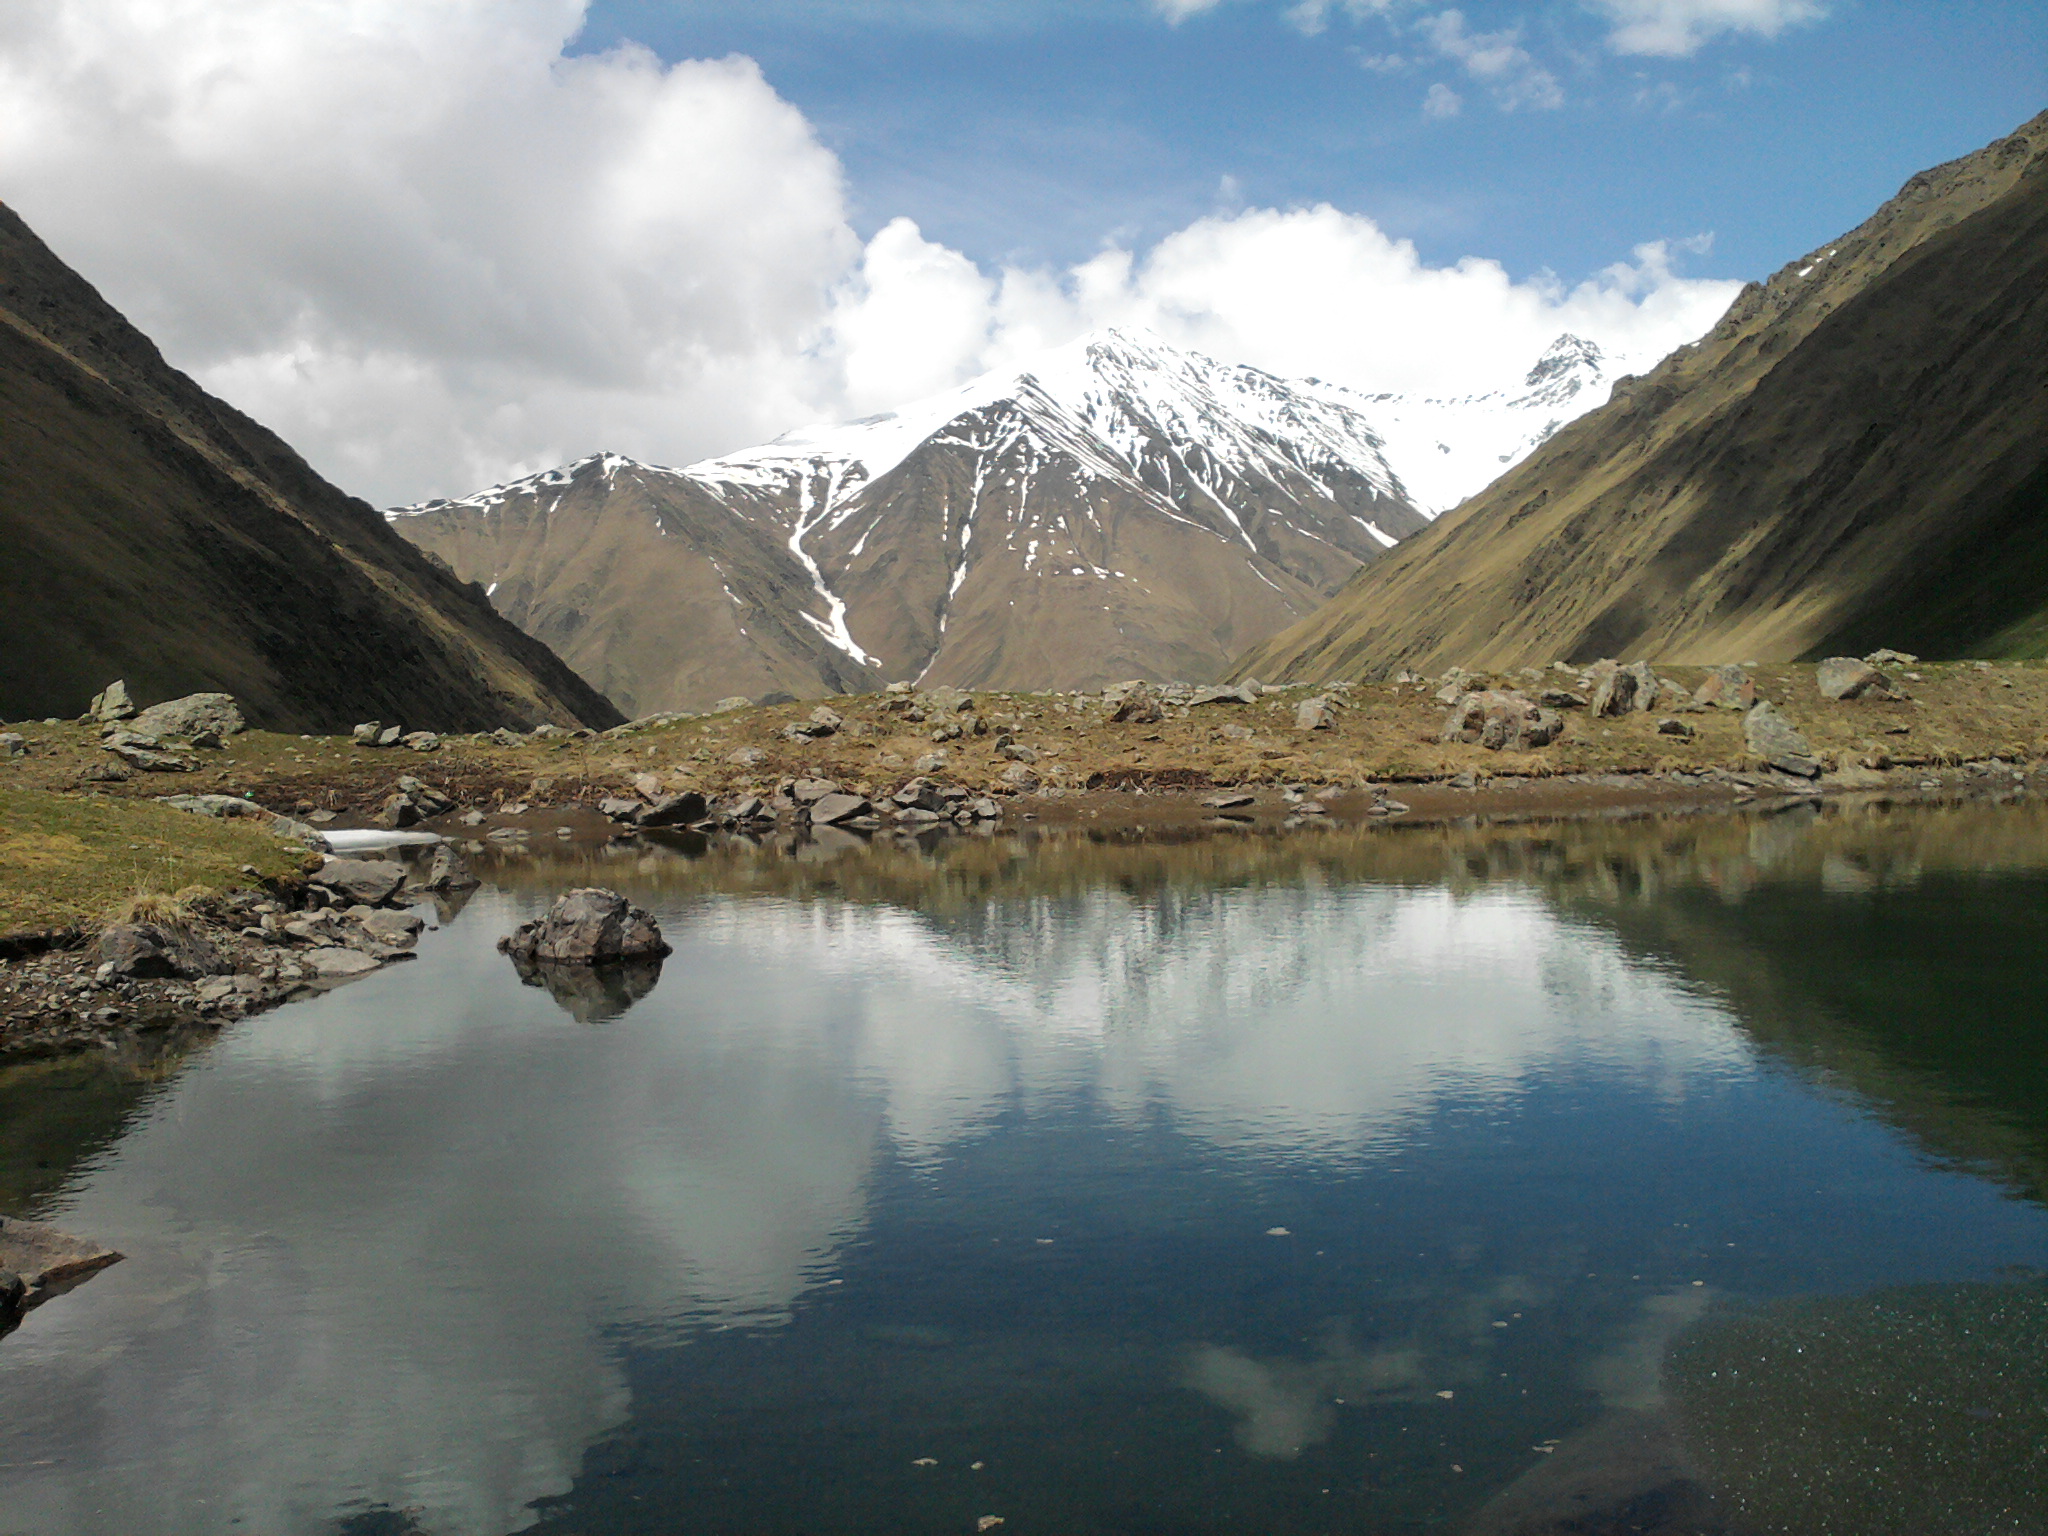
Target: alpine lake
column 1680, row 1174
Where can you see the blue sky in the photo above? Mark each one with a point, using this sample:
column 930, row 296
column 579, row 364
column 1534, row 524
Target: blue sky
column 1030, row 131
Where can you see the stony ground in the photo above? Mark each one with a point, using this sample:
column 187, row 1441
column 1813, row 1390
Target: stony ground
column 81, row 833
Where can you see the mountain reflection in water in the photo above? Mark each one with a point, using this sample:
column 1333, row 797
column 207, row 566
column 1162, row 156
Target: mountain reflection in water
column 1353, row 1179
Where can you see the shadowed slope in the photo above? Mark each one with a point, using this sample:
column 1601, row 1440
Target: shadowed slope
column 148, row 531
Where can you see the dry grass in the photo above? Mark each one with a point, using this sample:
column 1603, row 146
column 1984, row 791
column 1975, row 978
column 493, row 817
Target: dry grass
column 83, row 859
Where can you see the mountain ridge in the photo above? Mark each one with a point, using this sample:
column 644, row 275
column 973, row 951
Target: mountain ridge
column 1115, row 508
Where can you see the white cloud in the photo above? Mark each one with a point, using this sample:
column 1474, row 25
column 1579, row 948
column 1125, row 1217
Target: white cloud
column 1442, row 101
column 432, row 251
column 1178, row 11
column 1497, row 59
column 1311, row 17
column 1676, row 28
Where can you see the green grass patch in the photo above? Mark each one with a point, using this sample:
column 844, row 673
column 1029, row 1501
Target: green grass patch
column 76, row 859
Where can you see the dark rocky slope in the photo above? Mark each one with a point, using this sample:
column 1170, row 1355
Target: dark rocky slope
column 150, row 532
column 1856, row 455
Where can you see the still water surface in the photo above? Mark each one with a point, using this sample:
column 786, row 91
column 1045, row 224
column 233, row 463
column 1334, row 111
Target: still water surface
column 1668, row 1176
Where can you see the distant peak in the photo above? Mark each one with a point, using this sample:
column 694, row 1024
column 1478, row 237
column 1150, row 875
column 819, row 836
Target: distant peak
column 1563, row 355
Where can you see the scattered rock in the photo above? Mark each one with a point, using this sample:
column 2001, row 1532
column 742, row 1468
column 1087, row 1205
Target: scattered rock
column 146, row 950
column 1016, row 752
column 1501, row 721
column 112, row 703
column 400, row 930
column 1561, row 698
column 145, row 752
column 13, row 744
column 1844, row 677
column 504, row 736
column 1314, row 715
column 334, row 963
column 1140, row 706
column 366, row 734
column 421, row 741
column 620, row 808
column 369, row 881
column 747, row 757
column 1243, row 693
column 1778, row 742
column 678, row 810
column 1670, row 726
column 1019, row 777
column 217, row 713
column 397, row 811
column 1227, row 802
column 727, row 705
column 1885, row 656
column 1726, row 687
column 1613, row 690
column 832, row 809
column 589, row 926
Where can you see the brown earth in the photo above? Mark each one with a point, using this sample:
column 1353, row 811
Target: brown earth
column 1855, row 456
column 152, row 533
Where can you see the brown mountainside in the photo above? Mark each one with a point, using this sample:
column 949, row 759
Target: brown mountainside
column 150, row 532
column 1857, row 455
column 1127, row 510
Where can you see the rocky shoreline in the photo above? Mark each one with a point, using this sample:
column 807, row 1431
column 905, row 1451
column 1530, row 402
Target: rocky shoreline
column 919, row 764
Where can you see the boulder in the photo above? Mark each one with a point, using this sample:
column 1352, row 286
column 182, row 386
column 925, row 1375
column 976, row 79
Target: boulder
column 984, row 809
column 369, row 881
column 1019, row 777
column 749, row 808
column 1884, row 656
column 678, row 810
column 1561, row 698
column 112, row 703
column 192, row 715
column 1648, row 686
column 1016, row 752
column 397, row 811
column 429, row 799
column 159, row 950
column 504, row 736
column 1314, row 715
column 1612, row 689
column 620, row 807
column 1726, row 687
column 1844, row 677
column 727, row 705
column 143, row 752
column 1140, row 706
column 1672, row 726
column 421, row 741
column 747, row 757
column 1243, row 693
column 589, row 926
column 1778, row 742
column 805, row 791
column 828, row 810
column 366, row 734
column 1501, row 721
column 919, row 794
column 13, row 744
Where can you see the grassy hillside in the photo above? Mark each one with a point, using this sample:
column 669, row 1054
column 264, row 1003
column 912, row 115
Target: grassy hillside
column 1857, row 455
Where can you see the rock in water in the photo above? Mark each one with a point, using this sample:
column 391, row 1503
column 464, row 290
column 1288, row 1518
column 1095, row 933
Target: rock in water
column 38, row 1262
column 1844, row 677
column 447, row 872
column 587, row 927
column 195, row 714
column 369, row 881
column 1778, row 742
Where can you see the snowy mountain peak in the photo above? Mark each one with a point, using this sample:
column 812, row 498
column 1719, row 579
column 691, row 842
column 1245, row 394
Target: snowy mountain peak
column 1567, row 355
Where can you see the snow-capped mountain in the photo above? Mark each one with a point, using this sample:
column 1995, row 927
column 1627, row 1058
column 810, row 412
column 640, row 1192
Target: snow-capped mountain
column 1117, row 508
column 1448, row 448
